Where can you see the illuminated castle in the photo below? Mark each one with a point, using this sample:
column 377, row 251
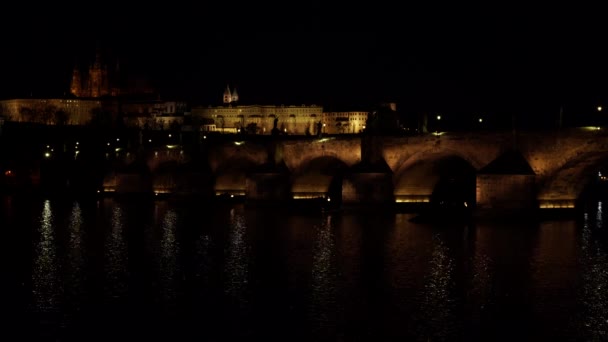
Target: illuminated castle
column 100, row 81
column 94, row 83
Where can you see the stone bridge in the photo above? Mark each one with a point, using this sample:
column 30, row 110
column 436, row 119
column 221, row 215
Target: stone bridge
column 409, row 169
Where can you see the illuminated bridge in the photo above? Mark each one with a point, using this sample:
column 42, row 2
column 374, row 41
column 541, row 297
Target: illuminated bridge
column 478, row 168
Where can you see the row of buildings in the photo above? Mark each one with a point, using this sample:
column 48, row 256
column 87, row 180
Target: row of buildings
column 97, row 95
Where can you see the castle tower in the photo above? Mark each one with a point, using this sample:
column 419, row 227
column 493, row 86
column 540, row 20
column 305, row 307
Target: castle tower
column 227, row 95
column 95, row 75
column 235, row 95
column 76, row 85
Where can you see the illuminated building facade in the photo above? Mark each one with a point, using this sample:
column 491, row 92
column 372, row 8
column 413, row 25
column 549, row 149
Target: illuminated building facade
column 292, row 120
column 51, row 111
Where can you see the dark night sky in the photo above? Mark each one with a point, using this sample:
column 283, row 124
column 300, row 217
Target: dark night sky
column 434, row 57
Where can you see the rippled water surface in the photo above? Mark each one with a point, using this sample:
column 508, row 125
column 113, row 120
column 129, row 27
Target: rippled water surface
column 119, row 270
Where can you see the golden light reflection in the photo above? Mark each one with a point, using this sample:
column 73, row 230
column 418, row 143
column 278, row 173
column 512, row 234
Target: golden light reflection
column 116, row 256
column 592, row 321
column 237, row 260
column 438, row 305
column 324, row 306
column 46, row 285
column 169, row 248
column 76, row 255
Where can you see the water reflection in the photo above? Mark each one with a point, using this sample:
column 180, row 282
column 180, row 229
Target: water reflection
column 75, row 272
column 323, row 306
column 555, row 269
column 593, row 320
column 480, row 291
column 46, row 284
column 438, row 302
column 116, row 256
column 169, row 268
column 237, row 261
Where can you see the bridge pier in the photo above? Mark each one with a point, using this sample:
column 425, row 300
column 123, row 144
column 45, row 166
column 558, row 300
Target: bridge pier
column 267, row 187
column 367, row 188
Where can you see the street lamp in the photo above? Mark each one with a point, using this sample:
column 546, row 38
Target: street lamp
column 437, row 128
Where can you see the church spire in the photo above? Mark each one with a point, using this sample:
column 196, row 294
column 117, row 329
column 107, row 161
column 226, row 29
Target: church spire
column 227, row 95
column 235, row 95
column 76, row 85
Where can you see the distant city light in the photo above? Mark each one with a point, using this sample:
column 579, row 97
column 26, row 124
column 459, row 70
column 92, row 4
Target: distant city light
column 77, row 143
column 169, row 135
column 599, row 108
column 480, row 120
column 117, row 139
column 149, row 140
column 438, row 117
column 47, row 154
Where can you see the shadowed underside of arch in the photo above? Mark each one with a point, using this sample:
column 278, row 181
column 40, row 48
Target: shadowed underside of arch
column 318, row 178
column 423, row 180
column 231, row 176
column 565, row 186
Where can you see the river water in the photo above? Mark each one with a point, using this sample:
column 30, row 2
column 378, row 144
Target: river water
column 108, row 269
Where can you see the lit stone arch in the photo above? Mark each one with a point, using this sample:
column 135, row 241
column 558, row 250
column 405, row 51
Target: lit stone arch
column 230, row 177
column 563, row 187
column 318, row 177
column 418, row 177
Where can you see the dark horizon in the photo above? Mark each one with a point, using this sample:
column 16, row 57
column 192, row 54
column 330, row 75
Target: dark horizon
column 492, row 61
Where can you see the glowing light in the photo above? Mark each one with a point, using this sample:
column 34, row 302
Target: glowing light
column 328, row 199
column 480, row 120
column 117, row 139
column 47, row 154
column 412, row 199
column 169, row 135
column 308, row 196
column 438, row 117
column 8, row 173
column 556, row 204
column 239, row 143
column 204, row 137
column 77, row 143
column 599, row 108
column 108, row 144
column 231, row 196
column 98, row 191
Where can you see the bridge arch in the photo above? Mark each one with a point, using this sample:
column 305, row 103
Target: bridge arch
column 230, row 177
column 436, row 177
column 565, row 186
column 319, row 177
